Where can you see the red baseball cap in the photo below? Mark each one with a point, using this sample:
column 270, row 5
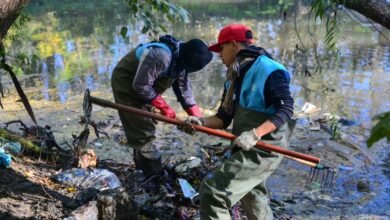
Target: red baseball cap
column 232, row 32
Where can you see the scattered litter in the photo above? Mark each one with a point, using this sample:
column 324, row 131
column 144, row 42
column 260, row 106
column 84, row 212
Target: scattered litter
column 87, row 159
column 309, row 108
column 142, row 199
column 345, row 168
column 188, row 191
column 5, row 159
column 29, row 173
column 190, row 163
column 348, row 122
column 98, row 144
column 314, row 126
column 326, row 117
column 12, row 147
column 100, row 179
column 71, row 189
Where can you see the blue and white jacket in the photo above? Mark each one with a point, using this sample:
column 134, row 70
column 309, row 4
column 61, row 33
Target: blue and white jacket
column 263, row 86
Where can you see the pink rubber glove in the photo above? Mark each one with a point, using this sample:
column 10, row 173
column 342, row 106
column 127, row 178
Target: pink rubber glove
column 165, row 109
column 194, row 111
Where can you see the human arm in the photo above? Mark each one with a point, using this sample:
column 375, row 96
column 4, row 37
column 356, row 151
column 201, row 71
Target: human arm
column 276, row 93
column 182, row 89
column 220, row 120
column 152, row 64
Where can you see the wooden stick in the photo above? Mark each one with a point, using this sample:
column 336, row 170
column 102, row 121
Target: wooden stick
column 264, row 146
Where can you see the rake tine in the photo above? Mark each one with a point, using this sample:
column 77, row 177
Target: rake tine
column 324, row 172
column 326, row 176
column 317, row 173
column 313, row 174
column 333, row 174
column 327, row 173
column 310, row 173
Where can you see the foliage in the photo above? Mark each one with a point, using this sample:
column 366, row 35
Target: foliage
column 327, row 10
column 334, row 126
column 381, row 129
column 285, row 4
column 321, row 12
column 155, row 14
column 21, row 61
column 17, row 30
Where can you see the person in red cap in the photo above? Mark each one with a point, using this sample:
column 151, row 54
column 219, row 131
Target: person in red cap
column 140, row 78
column 257, row 99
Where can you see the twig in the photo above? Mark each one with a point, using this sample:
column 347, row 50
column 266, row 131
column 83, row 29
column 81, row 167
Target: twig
column 380, row 32
column 43, row 188
column 297, row 33
column 364, row 24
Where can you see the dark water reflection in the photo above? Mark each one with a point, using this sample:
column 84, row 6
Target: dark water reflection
column 79, row 46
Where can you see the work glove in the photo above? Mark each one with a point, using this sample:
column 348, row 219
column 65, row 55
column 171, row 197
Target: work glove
column 161, row 105
column 247, row 139
column 194, row 111
column 187, row 127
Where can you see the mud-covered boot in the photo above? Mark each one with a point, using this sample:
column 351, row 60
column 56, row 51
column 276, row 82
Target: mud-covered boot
column 149, row 167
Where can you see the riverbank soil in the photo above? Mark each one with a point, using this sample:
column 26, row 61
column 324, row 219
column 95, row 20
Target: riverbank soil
column 360, row 189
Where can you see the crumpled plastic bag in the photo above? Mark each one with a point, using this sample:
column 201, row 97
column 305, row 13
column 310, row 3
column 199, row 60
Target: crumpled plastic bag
column 12, row 147
column 100, row 179
column 5, row 159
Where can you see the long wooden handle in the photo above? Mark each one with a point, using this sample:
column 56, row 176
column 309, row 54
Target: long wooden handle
column 300, row 157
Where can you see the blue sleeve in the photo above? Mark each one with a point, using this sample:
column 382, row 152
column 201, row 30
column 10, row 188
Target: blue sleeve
column 277, row 93
column 182, row 89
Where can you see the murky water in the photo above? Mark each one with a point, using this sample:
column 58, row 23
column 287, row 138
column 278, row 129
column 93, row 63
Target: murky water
column 77, row 46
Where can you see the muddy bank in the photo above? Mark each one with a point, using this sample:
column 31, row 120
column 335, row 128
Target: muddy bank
column 361, row 189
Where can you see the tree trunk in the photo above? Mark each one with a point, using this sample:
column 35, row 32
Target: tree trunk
column 9, row 11
column 378, row 10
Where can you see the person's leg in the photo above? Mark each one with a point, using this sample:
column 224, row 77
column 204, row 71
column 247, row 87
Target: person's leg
column 233, row 180
column 140, row 134
column 149, row 167
column 256, row 204
column 139, row 131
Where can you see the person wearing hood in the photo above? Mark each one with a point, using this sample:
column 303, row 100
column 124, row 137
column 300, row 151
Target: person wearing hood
column 140, row 78
column 258, row 101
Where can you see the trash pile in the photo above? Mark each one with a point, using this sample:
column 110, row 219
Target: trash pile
column 172, row 195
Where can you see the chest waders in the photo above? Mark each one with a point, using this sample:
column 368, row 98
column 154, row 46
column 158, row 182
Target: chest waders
column 139, row 131
column 242, row 177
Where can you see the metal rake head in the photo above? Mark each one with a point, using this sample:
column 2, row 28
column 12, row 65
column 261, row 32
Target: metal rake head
column 325, row 175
